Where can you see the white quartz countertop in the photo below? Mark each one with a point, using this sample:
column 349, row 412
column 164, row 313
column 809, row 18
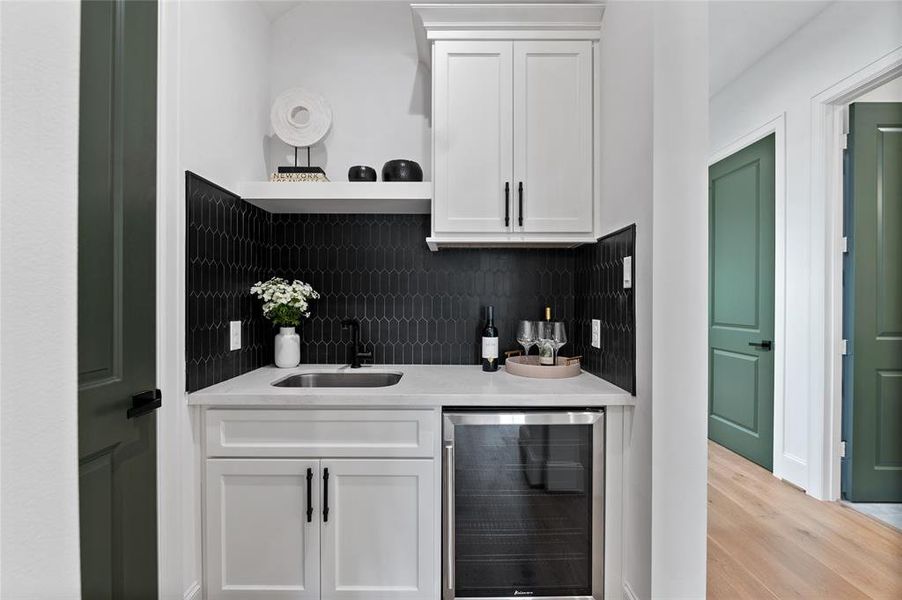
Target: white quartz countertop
column 420, row 386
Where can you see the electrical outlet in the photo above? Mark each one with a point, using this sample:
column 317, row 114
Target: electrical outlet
column 596, row 333
column 627, row 272
column 234, row 335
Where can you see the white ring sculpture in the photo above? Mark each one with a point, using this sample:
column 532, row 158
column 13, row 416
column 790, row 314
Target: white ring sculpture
column 300, row 118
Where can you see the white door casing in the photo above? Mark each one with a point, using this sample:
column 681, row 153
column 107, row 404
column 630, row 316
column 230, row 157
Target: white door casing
column 259, row 542
column 378, row 541
column 472, row 128
column 553, row 135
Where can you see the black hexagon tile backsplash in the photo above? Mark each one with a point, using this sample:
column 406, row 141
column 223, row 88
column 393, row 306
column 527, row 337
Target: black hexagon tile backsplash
column 415, row 306
column 599, row 294
column 227, row 251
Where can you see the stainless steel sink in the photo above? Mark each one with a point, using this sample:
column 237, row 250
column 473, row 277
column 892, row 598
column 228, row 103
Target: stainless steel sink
column 339, row 380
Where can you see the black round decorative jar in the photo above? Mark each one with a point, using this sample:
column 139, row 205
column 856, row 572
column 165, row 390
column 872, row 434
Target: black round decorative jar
column 361, row 173
column 402, row 170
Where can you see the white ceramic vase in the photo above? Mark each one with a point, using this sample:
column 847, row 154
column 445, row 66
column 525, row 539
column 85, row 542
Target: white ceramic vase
column 288, row 348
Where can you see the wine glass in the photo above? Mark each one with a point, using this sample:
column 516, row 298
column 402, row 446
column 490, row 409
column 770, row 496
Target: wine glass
column 526, row 335
column 558, row 337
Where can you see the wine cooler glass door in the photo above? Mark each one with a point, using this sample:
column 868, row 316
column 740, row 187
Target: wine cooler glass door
column 523, row 504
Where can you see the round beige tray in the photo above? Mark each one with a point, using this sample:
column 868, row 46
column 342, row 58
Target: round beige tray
column 528, row 366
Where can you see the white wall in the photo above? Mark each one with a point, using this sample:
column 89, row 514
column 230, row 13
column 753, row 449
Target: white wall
column 838, row 42
column 38, row 239
column 213, row 119
column 362, row 57
column 654, row 157
column 225, row 66
column 626, row 197
column 680, row 309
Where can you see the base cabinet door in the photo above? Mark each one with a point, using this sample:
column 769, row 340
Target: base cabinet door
column 378, row 540
column 260, row 541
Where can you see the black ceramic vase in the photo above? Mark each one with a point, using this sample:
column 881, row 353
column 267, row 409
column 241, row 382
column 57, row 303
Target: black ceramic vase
column 361, row 173
column 402, row 170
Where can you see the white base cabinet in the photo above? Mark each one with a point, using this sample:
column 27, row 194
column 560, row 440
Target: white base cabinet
column 379, row 537
column 260, row 543
column 329, row 527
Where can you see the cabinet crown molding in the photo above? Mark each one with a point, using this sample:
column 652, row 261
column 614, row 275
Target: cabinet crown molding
column 505, row 21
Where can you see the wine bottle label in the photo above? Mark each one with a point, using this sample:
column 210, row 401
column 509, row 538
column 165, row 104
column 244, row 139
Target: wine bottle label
column 546, row 354
column 490, row 348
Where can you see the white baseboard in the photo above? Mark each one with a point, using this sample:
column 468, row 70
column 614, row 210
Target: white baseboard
column 628, row 592
column 193, row 591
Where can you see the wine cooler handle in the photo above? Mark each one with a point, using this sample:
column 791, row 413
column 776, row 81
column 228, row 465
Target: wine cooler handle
column 449, row 514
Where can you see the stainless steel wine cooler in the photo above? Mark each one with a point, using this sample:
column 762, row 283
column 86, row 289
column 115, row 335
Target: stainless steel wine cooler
column 523, row 504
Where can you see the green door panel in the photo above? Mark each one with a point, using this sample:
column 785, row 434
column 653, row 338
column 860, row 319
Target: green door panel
column 874, row 423
column 735, row 268
column 116, row 298
column 741, row 302
column 734, row 389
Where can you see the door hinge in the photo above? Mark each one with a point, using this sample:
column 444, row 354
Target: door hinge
column 842, row 449
column 844, row 347
column 845, row 141
column 844, row 244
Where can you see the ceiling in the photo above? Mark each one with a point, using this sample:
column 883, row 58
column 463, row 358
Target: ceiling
column 276, row 8
column 741, row 33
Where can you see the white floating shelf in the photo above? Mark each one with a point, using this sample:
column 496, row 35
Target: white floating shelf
column 340, row 197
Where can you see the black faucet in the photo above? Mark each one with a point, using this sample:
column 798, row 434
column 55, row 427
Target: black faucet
column 355, row 352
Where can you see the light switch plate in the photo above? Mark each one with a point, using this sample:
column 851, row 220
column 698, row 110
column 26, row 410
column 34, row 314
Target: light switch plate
column 596, row 333
column 627, row 272
column 234, row 335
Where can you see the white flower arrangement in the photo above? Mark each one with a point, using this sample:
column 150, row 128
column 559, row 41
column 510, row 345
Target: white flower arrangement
column 284, row 302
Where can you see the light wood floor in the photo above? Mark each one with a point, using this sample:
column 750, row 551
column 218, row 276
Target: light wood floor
column 769, row 540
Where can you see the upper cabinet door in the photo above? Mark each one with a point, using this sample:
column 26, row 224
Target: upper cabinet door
column 379, row 538
column 553, row 136
column 263, row 529
column 472, row 123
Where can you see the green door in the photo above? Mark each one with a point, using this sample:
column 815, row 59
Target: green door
column 116, row 299
column 873, row 279
column 741, row 302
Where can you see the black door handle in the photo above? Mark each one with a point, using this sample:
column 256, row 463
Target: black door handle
column 326, row 495
column 762, row 345
column 507, row 203
column 309, row 495
column 520, row 215
column 145, row 403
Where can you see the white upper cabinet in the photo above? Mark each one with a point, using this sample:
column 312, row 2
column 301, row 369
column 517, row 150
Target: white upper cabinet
column 472, row 119
column 553, row 136
column 515, row 113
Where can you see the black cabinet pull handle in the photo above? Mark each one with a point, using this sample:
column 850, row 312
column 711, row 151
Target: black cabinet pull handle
column 762, row 345
column 520, row 215
column 507, row 203
column 309, row 495
column 145, row 403
column 325, row 495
